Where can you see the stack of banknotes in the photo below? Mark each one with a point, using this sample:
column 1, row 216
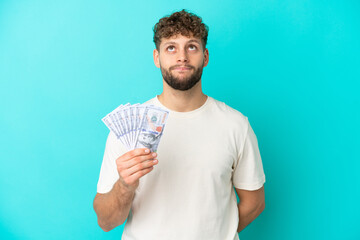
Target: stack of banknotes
column 138, row 125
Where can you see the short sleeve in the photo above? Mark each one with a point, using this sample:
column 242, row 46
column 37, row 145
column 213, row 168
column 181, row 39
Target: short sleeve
column 248, row 173
column 108, row 172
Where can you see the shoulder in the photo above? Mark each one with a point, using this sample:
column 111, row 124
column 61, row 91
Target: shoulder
column 229, row 114
column 151, row 101
column 114, row 146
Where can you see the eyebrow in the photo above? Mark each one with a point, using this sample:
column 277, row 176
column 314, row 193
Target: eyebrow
column 192, row 40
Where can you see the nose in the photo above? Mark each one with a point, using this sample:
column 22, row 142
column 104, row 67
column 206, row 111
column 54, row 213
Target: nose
column 182, row 56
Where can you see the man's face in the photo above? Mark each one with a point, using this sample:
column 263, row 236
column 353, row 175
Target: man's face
column 181, row 60
column 148, row 138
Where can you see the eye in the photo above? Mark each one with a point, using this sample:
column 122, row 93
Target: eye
column 192, row 47
column 170, row 48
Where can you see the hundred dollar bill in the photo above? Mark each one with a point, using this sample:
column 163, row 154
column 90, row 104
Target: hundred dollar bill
column 122, row 121
column 111, row 125
column 133, row 113
column 152, row 127
column 137, row 125
column 140, row 113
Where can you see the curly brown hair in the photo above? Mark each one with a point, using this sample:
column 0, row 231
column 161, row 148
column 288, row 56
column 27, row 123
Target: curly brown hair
column 182, row 22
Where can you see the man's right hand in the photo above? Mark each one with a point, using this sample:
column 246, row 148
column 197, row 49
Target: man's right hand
column 134, row 164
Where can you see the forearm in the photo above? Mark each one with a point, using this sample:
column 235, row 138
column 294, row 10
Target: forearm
column 247, row 213
column 113, row 208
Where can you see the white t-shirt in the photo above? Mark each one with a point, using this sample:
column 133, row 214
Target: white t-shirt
column 189, row 194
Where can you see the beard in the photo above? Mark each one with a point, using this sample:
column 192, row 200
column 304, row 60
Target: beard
column 182, row 84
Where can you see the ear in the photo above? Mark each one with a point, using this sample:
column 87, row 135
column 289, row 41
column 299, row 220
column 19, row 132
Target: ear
column 206, row 57
column 156, row 58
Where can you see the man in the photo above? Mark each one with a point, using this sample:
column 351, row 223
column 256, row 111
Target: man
column 186, row 190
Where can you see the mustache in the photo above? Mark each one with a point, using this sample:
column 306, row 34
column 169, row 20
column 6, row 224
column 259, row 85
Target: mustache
column 176, row 66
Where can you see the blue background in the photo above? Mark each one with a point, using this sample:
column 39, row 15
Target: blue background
column 291, row 66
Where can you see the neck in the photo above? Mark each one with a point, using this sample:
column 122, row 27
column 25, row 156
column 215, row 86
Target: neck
column 182, row 101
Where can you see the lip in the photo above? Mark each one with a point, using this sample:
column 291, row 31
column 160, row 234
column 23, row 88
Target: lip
column 182, row 68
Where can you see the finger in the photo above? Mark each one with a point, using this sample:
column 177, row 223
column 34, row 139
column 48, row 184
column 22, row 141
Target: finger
column 134, row 153
column 137, row 175
column 139, row 167
column 137, row 160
